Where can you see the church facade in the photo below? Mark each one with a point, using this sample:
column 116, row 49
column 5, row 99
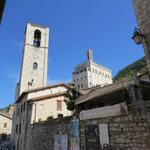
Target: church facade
column 35, row 101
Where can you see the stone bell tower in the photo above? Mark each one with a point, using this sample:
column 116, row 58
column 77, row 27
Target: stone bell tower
column 90, row 55
column 35, row 58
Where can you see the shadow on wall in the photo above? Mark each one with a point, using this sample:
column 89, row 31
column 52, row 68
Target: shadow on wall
column 4, row 137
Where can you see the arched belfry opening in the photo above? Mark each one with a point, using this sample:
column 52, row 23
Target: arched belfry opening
column 37, row 38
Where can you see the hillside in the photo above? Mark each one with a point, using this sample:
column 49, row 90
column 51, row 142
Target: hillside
column 132, row 69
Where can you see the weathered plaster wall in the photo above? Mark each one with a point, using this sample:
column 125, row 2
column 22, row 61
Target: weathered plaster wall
column 5, row 126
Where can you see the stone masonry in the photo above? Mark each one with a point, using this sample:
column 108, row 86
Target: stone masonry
column 142, row 11
column 42, row 134
column 127, row 132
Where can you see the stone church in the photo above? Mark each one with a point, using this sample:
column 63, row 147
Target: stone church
column 35, row 101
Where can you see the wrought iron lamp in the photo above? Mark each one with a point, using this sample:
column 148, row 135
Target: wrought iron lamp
column 138, row 37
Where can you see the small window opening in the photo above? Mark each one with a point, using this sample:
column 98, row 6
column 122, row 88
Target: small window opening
column 5, row 125
column 37, row 38
column 35, row 66
column 20, row 128
column 59, row 105
column 17, row 128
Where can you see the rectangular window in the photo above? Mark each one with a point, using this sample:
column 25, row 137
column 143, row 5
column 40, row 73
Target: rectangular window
column 17, row 128
column 30, row 106
column 20, row 128
column 18, row 111
column 21, row 108
column 59, row 105
column 78, row 86
column 5, row 125
column 24, row 106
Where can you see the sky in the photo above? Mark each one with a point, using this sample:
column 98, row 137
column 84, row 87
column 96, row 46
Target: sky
column 105, row 26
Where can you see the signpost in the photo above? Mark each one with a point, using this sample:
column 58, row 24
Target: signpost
column 74, row 134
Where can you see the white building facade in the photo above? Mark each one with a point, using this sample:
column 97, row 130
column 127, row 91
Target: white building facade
column 90, row 74
column 5, row 126
column 34, row 106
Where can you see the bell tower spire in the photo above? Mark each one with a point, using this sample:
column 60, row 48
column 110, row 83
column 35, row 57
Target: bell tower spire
column 89, row 55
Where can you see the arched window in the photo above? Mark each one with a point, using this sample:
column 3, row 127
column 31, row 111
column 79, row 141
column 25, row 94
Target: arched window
column 35, row 66
column 37, row 38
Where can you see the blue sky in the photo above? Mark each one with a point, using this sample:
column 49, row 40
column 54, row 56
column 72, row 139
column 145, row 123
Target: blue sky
column 105, row 26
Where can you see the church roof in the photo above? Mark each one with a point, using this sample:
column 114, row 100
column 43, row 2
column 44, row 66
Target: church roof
column 99, row 92
column 48, row 96
column 7, row 115
column 43, row 88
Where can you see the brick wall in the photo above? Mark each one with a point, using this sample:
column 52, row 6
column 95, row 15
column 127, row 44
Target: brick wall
column 127, row 132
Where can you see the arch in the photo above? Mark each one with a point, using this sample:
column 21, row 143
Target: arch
column 37, row 38
column 35, row 66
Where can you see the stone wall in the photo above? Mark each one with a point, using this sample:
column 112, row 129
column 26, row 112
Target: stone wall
column 142, row 11
column 42, row 134
column 127, row 132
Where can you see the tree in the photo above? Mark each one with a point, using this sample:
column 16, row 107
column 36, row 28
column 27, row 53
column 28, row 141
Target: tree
column 72, row 95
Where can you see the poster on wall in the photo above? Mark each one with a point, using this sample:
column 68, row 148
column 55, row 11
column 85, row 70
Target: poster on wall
column 57, row 142
column 104, row 135
column 61, row 142
column 64, row 142
column 74, row 134
column 92, row 137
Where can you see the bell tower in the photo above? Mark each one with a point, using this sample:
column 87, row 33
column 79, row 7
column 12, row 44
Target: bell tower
column 90, row 55
column 35, row 58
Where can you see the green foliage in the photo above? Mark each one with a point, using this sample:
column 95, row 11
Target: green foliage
column 132, row 69
column 49, row 118
column 4, row 110
column 69, row 100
